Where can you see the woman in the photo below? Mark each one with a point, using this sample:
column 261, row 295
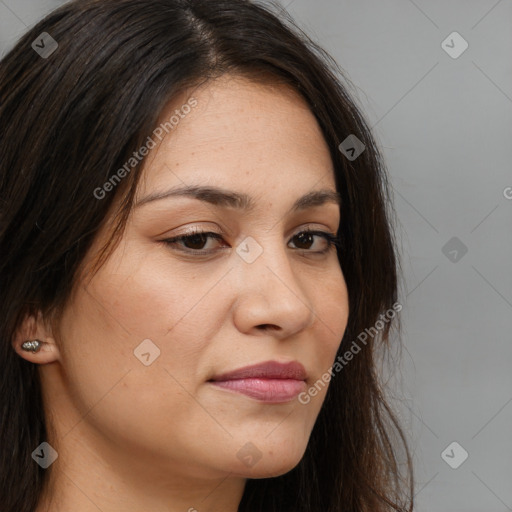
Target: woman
column 197, row 270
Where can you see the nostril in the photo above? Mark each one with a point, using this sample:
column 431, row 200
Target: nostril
column 267, row 326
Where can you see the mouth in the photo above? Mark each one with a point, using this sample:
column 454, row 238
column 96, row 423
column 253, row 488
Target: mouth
column 270, row 382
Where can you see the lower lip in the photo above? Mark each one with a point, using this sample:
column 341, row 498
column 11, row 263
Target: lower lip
column 265, row 390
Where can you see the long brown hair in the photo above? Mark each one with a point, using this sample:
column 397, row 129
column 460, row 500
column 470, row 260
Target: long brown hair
column 71, row 119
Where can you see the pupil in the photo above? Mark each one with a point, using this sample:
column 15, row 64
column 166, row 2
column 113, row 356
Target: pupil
column 196, row 239
column 302, row 236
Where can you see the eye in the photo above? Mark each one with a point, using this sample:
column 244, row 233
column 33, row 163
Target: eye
column 307, row 237
column 195, row 240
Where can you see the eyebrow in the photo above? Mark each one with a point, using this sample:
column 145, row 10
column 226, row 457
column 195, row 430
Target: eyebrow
column 228, row 198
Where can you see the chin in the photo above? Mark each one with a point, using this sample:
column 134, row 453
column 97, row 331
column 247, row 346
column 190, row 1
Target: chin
column 270, row 470
column 271, row 460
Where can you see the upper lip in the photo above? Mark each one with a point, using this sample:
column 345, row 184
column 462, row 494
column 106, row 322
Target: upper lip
column 266, row 370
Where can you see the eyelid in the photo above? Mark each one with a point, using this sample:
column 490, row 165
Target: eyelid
column 331, row 238
column 200, row 230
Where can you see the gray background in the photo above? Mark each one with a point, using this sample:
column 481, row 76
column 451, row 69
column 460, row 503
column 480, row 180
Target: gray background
column 445, row 127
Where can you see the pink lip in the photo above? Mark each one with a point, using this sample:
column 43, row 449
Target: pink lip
column 270, row 381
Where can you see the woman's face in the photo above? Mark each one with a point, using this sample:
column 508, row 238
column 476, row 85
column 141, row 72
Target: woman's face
column 143, row 337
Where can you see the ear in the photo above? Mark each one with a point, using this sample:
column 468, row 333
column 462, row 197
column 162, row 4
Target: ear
column 34, row 328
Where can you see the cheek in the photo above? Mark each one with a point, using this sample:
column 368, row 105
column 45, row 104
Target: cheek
column 153, row 295
column 140, row 310
column 111, row 387
column 332, row 312
column 332, row 318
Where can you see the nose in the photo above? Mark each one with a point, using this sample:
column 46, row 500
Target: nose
column 270, row 294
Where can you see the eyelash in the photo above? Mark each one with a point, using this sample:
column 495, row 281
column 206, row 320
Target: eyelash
column 331, row 239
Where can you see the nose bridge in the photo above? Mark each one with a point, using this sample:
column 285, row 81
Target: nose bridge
column 269, row 286
column 267, row 257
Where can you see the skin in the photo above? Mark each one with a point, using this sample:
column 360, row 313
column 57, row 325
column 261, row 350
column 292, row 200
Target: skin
column 132, row 437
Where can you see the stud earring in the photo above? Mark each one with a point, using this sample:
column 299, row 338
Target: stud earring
column 32, row 346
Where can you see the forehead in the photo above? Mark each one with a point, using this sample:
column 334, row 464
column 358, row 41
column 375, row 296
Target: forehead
column 238, row 134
